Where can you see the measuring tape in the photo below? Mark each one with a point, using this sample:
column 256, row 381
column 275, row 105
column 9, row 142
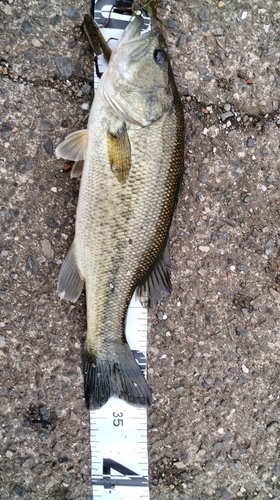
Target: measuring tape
column 118, row 431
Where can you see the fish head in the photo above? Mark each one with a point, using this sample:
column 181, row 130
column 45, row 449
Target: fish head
column 137, row 82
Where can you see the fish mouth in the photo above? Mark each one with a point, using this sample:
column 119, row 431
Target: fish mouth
column 132, row 33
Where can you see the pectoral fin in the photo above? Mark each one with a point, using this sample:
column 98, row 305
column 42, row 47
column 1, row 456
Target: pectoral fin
column 70, row 282
column 77, row 169
column 156, row 286
column 119, row 153
column 74, row 147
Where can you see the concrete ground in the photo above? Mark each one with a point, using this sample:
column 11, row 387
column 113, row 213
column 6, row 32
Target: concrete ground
column 214, row 425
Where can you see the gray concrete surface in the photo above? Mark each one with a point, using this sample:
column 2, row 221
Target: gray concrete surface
column 214, row 347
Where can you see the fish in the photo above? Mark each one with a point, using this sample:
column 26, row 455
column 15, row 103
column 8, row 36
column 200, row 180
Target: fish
column 132, row 154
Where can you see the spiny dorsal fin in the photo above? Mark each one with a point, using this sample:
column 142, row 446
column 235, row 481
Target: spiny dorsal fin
column 156, row 286
column 74, row 147
column 119, row 153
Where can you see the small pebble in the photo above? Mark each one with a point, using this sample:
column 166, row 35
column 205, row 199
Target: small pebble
column 19, row 490
column 54, row 189
column 203, row 70
column 171, row 24
column 218, row 31
column 31, row 264
column 36, row 43
column 203, row 248
column 26, row 27
column 9, row 454
column 4, row 253
column 221, row 4
column 46, row 125
column 225, row 116
column 272, row 427
column 225, row 494
column 251, row 142
column 274, row 294
column 45, row 413
column 160, row 315
column 86, row 89
column 245, row 369
column 64, row 66
column 28, row 165
column 201, row 452
column 47, row 249
column 48, row 146
column 6, row 9
column 202, row 272
column 271, row 178
column 271, row 51
column 71, row 13
column 14, row 276
column 2, row 341
column 71, row 375
column 242, row 380
column 26, row 122
column 203, row 15
column 241, row 74
column 181, row 40
column 246, row 199
column 55, row 20
column 44, row 61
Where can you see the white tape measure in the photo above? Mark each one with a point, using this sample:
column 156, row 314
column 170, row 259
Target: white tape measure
column 118, row 431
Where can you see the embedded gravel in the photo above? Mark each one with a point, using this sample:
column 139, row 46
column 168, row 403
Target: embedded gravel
column 213, row 358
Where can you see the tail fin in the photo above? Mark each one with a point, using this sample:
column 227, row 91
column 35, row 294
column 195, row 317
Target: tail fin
column 119, row 376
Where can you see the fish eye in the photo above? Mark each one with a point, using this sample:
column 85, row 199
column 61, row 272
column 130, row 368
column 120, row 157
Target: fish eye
column 160, row 56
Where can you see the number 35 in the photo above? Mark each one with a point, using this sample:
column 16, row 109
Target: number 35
column 117, row 421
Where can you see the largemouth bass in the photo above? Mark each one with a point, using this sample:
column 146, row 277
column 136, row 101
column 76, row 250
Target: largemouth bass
column 133, row 159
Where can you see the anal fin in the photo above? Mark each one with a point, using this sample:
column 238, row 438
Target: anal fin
column 156, row 286
column 70, row 282
column 119, row 153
